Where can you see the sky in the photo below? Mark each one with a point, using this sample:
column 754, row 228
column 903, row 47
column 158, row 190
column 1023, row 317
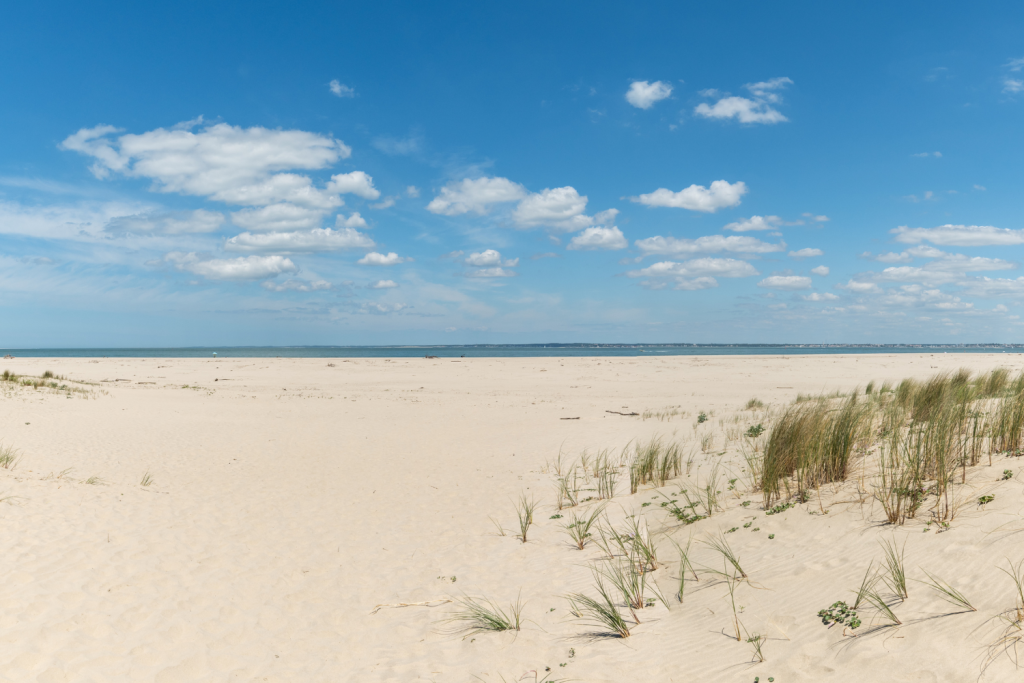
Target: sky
column 186, row 174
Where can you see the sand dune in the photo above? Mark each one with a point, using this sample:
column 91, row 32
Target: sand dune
column 291, row 497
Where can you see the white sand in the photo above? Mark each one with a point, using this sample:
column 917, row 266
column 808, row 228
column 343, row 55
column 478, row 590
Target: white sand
column 290, row 498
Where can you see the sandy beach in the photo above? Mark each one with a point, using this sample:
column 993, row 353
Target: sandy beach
column 290, row 498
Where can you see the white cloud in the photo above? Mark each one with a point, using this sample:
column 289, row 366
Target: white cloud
column 490, row 257
column 297, row 286
column 318, row 239
column 672, row 246
column 721, row 195
column 412, row 191
column 644, row 95
column 490, row 272
column 475, row 196
column 375, row 259
column 960, row 235
column 223, row 162
column 384, row 284
column 702, row 267
column 353, row 221
column 277, row 217
column 819, row 297
column 560, row 207
column 1015, row 64
column 379, row 308
column 787, row 283
column 980, row 188
column 356, row 182
column 816, row 219
column 387, row 203
column 169, row 223
column 1013, row 85
column 598, row 238
column 340, row 89
column 242, row 268
column 747, row 110
column 697, row 283
column 820, row 270
column 754, row 223
column 928, row 154
column 399, row 146
column 806, row 253
column 859, row 287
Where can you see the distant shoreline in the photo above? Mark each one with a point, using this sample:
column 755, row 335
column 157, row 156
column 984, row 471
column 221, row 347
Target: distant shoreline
column 505, row 350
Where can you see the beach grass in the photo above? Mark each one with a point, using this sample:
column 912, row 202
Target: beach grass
column 478, row 615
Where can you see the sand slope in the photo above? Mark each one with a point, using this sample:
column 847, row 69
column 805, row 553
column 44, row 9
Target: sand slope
column 290, row 498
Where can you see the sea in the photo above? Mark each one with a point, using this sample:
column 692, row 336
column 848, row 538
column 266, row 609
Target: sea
column 510, row 350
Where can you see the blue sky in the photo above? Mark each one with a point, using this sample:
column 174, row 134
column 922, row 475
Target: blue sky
column 396, row 173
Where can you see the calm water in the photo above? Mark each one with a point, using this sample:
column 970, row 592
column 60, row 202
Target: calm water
column 500, row 351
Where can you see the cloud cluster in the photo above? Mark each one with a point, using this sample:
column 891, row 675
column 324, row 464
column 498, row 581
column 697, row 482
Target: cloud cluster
column 559, row 208
column 959, row 235
column 755, row 109
column 644, row 95
column 720, row 195
column 694, row 274
column 242, row 268
column 376, row 259
column 671, row 246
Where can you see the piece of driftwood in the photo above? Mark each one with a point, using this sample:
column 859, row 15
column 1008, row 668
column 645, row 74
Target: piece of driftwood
column 427, row 603
column 568, row 418
column 615, row 412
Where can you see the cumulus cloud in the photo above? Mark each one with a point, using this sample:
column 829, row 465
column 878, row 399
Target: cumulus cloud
column 356, row 182
column 702, row 267
column 475, row 195
column 721, row 194
column 353, row 221
column 644, row 95
column 384, row 284
column 296, row 286
column 754, row 223
column 596, row 238
column 316, row 240
column 786, row 282
column 755, row 109
column 859, row 287
column 560, row 207
column 340, row 89
column 223, row 162
column 806, row 253
column 277, row 217
column 820, row 270
column 242, row 268
column 706, row 245
column 826, row 296
column 490, row 257
column 168, row 223
column 959, row 235
column 375, row 259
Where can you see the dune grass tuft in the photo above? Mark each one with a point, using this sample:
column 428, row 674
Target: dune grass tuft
column 8, row 457
column 524, row 510
column 895, row 568
column 579, row 527
column 948, row 593
column 602, row 611
column 147, row 479
column 476, row 615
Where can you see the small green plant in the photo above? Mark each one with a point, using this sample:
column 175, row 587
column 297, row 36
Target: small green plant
column 756, row 528
column 757, row 641
column 949, row 593
column 755, row 431
column 601, row 611
column 753, row 404
column 985, row 500
column 702, row 417
column 745, row 503
column 771, row 536
column 723, row 548
column 555, row 516
column 524, row 509
column 147, row 479
column 579, row 527
column 479, row 615
column 8, row 458
column 735, row 528
column 748, row 525
column 1007, row 474
column 894, row 566
column 839, row 613
column 781, row 507
column 875, row 600
column 93, row 481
